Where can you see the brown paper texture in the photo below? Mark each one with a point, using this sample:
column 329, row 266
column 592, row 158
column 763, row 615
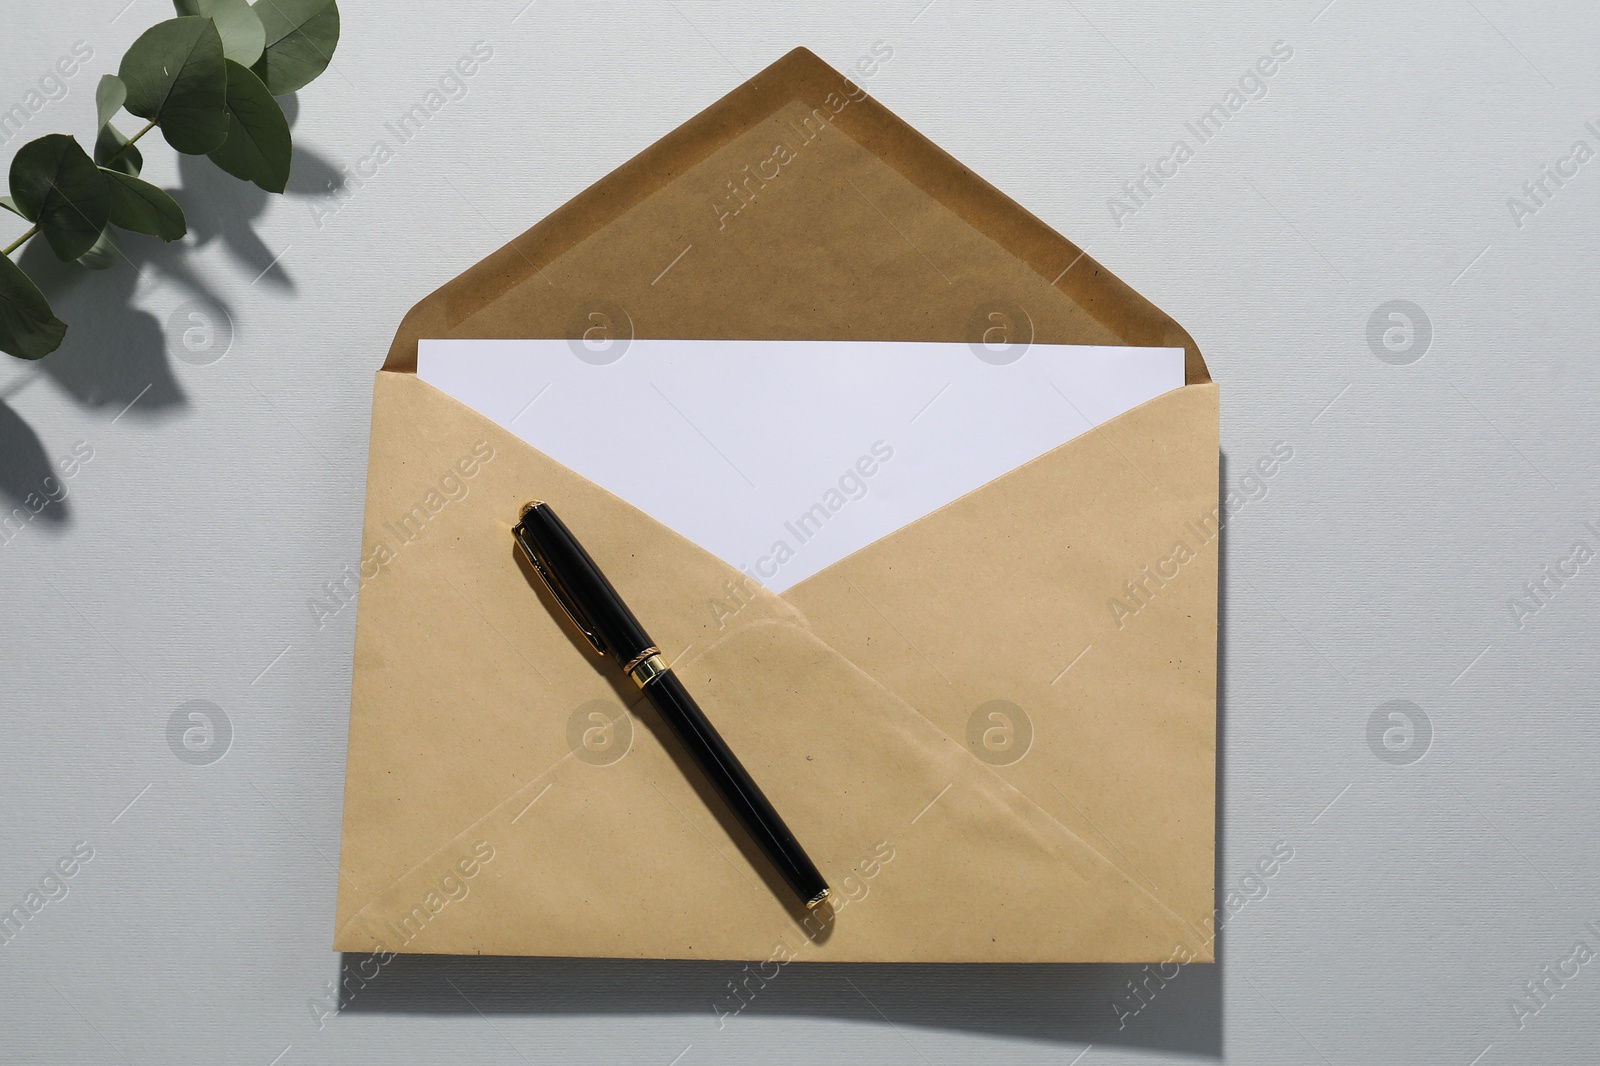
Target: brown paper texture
column 472, row 825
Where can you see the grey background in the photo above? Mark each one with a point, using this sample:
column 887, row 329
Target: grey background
column 1421, row 896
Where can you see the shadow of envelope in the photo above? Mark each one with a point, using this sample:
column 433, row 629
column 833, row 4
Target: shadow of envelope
column 986, row 758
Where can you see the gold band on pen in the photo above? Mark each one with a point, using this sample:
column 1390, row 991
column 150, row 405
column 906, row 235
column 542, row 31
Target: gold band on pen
column 646, row 666
column 633, row 664
column 816, row 901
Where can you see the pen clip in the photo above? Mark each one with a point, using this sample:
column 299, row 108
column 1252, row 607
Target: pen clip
column 559, row 592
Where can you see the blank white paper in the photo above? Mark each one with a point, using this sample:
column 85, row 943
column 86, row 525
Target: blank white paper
column 782, row 457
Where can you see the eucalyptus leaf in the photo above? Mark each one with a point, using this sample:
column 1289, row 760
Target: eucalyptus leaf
column 112, row 150
column 175, row 77
column 10, row 205
column 109, row 151
column 258, row 147
column 27, row 327
column 141, row 207
column 104, row 255
column 240, row 27
column 109, row 96
column 56, row 185
column 301, row 38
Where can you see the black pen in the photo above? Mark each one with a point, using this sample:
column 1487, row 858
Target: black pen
column 600, row 615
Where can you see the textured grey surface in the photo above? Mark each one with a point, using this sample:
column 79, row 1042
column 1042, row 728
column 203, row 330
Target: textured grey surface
column 1423, row 894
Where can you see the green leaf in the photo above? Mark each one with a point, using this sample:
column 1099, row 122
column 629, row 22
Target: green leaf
column 57, row 186
column 109, row 151
column 27, row 327
column 175, row 77
column 109, row 96
column 139, row 206
column 258, row 147
column 10, row 205
column 301, row 37
column 243, row 36
column 104, row 255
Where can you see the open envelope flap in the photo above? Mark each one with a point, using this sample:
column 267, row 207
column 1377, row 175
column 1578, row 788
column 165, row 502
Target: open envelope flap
column 475, row 824
column 796, row 207
column 1062, row 621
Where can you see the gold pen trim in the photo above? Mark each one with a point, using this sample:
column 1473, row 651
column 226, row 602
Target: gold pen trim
column 816, row 901
column 633, row 664
column 646, row 667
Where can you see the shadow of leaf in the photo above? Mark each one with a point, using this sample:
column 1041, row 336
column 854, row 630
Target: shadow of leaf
column 114, row 352
column 23, row 470
column 222, row 208
column 310, row 175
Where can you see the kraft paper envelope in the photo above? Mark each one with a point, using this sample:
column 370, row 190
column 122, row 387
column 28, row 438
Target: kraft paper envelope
column 510, row 793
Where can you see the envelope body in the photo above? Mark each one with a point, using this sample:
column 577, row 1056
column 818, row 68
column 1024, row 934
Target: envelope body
column 993, row 729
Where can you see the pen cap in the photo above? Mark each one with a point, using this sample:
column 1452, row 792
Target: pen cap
column 578, row 584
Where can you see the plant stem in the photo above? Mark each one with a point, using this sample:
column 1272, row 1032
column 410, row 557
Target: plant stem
column 112, row 158
column 20, row 241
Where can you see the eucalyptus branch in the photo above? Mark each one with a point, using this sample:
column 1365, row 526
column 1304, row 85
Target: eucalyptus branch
column 20, row 241
column 114, row 156
column 210, row 78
